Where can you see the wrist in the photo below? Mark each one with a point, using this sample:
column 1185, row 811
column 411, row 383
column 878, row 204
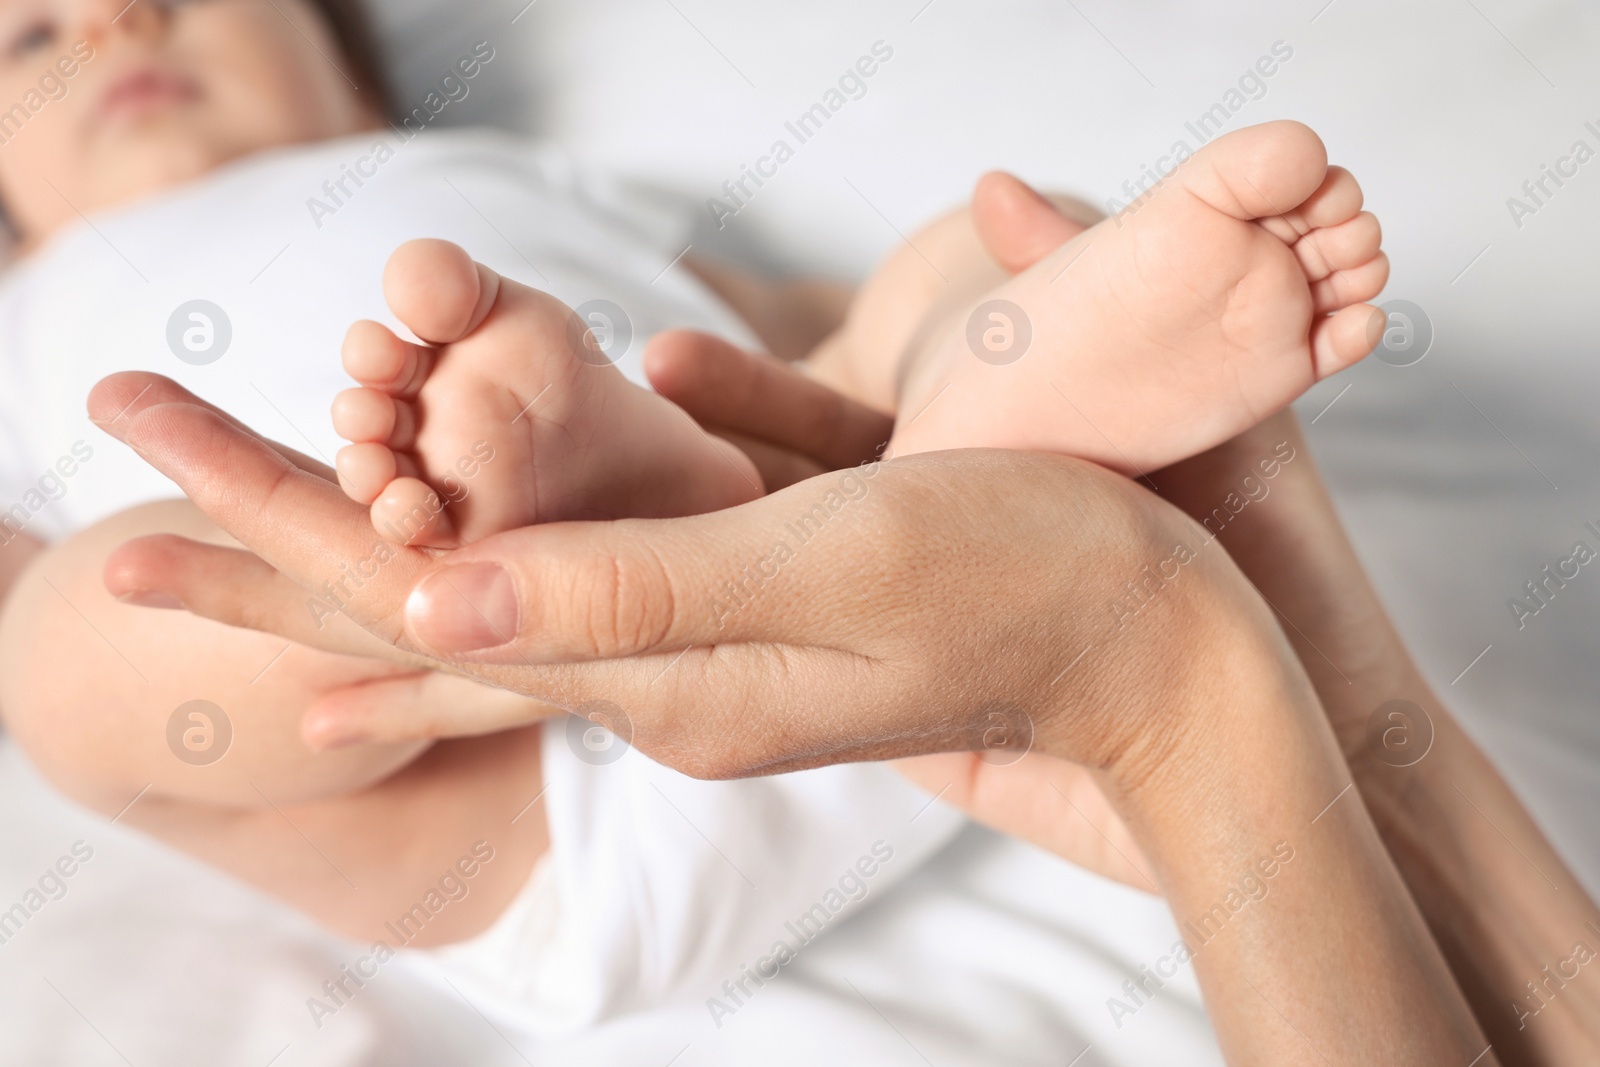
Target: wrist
column 1163, row 641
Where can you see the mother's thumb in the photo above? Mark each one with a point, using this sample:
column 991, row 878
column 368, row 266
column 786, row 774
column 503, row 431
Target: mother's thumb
column 573, row 592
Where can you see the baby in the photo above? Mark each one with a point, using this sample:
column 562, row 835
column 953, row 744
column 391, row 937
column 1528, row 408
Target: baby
column 1235, row 287
column 168, row 194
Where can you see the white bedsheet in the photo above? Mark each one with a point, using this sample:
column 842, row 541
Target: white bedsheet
column 1444, row 108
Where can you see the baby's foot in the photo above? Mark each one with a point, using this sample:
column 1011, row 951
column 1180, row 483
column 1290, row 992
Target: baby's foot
column 508, row 416
column 1235, row 287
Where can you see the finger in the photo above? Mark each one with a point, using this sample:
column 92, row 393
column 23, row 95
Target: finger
column 416, row 707
column 300, row 523
column 571, row 592
column 238, row 588
column 779, row 467
column 120, row 397
column 717, row 382
column 1018, row 226
column 745, row 639
column 789, row 568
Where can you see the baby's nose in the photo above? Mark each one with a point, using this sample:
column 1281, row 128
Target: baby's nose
column 101, row 20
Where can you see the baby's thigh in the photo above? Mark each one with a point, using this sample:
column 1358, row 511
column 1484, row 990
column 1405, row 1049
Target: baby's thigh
column 109, row 700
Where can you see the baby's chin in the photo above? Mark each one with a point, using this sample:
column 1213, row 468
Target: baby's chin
column 133, row 159
column 154, row 155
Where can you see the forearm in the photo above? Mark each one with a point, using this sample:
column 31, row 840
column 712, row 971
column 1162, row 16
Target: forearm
column 1502, row 904
column 1296, row 918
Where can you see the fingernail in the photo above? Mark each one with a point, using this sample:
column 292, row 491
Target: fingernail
column 332, row 741
column 152, row 598
column 464, row 608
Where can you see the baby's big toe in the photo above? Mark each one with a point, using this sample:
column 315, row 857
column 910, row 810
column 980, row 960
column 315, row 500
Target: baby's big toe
column 1259, row 171
column 437, row 290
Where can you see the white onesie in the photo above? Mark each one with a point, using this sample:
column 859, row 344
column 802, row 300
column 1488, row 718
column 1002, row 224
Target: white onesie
column 241, row 286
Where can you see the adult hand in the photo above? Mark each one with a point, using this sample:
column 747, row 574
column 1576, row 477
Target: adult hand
column 874, row 613
column 795, row 428
column 906, row 607
column 792, row 426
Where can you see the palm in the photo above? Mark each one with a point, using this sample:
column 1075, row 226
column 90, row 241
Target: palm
column 1047, row 801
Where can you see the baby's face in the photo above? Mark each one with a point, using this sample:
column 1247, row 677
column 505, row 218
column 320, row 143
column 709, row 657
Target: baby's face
column 105, row 101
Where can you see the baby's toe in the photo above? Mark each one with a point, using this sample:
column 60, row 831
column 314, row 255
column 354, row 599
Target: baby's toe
column 376, row 358
column 363, row 415
column 365, row 470
column 1337, row 199
column 1355, row 285
column 437, row 290
column 409, row 512
column 1259, row 171
column 1342, row 247
column 1345, row 338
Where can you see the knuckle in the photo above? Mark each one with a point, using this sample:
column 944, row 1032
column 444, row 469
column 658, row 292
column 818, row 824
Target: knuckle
column 627, row 603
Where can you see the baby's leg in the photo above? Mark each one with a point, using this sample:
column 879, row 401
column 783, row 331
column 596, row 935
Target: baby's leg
column 509, row 415
column 917, row 292
column 191, row 731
